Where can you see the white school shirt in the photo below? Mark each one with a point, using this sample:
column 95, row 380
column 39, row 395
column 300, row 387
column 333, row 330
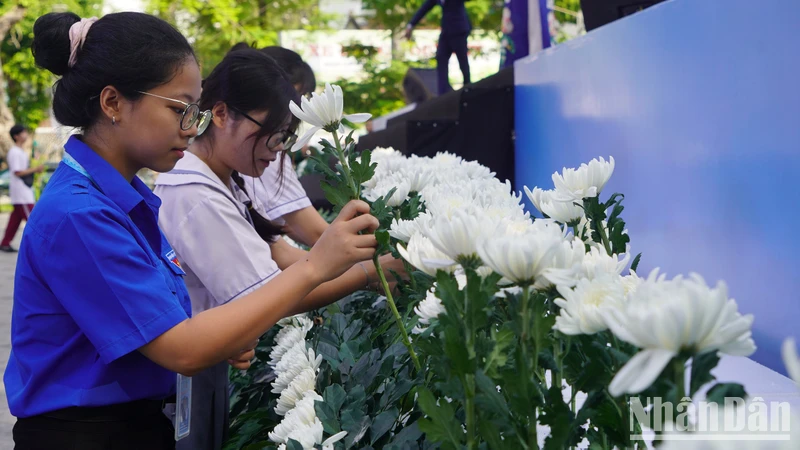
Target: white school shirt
column 276, row 200
column 208, row 226
column 18, row 191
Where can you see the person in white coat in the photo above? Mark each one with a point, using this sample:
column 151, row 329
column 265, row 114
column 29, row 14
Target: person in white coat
column 226, row 247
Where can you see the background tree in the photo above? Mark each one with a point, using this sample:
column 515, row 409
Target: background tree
column 27, row 88
column 214, row 26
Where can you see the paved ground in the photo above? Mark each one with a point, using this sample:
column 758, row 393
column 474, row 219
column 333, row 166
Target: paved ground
column 7, row 265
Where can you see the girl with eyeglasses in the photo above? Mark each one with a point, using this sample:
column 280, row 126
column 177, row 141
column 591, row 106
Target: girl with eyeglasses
column 102, row 330
column 224, row 243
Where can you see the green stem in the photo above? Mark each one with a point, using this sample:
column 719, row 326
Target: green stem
column 470, row 410
column 601, row 230
column 390, row 300
column 354, row 191
column 559, row 364
column 680, row 377
column 533, row 440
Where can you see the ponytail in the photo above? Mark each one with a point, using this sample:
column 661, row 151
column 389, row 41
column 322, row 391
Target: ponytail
column 265, row 228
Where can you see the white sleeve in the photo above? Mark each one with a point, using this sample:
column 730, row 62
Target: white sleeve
column 223, row 249
column 16, row 161
column 279, row 199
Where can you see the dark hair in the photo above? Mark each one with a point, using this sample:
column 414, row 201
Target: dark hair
column 247, row 80
column 16, row 130
column 298, row 70
column 130, row 51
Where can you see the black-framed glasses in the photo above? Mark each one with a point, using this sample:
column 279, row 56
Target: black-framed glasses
column 285, row 137
column 191, row 114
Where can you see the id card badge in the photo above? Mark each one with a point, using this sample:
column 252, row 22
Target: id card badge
column 183, row 407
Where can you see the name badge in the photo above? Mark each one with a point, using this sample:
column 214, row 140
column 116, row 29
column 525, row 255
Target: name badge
column 174, row 264
column 183, row 407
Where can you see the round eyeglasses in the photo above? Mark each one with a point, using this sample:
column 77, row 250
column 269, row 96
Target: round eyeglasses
column 191, row 114
column 285, row 137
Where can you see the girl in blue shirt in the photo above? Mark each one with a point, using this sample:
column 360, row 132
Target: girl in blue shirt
column 101, row 321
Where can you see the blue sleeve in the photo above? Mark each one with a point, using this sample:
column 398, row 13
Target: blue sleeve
column 424, row 9
column 108, row 283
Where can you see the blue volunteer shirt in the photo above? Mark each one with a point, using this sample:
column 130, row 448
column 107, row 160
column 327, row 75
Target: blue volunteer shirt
column 95, row 281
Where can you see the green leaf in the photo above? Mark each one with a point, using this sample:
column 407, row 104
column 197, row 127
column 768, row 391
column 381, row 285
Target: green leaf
column 491, row 435
column 720, row 391
column 357, row 395
column 356, row 424
column 328, row 417
column 440, row 426
column 334, row 397
column 489, row 398
column 635, row 263
column 702, row 365
column 557, row 415
column 338, row 196
column 366, row 369
column 411, row 433
column 383, row 238
column 497, row 358
column 382, row 424
column 294, row 445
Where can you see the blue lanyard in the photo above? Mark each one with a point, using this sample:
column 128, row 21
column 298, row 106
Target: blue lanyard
column 76, row 166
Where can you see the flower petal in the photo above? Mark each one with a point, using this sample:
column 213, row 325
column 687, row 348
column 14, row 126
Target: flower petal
column 335, row 438
column 300, row 114
column 790, row 360
column 640, row 372
column 358, row 118
column 338, row 101
column 303, row 141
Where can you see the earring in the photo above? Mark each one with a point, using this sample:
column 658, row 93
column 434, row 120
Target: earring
column 113, row 120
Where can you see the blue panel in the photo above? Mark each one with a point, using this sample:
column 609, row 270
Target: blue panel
column 699, row 103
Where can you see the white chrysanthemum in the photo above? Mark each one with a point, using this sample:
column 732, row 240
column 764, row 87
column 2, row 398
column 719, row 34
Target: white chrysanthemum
column 665, row 317
column 581, row 307
column 404, row 229
column 475, row 171
column 428, row 309
column 422, row 254
column 300, row 423
column 548, row 204
column 445, row 159
column 417, row 177
column 299, row 320
column 401, row 190
column 458, row 236
column 596, row 263
column 302, row 383
column 287, row 338
column 323, row 111
column 380, row 154
column 790, row 360
column 630, row 283
column 586, row 181
column 530, row 258
column 292, row 365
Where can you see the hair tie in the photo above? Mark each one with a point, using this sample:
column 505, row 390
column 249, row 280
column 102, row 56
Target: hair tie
column 77, row 35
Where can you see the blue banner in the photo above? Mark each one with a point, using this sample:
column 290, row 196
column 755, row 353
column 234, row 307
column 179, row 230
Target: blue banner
column 524, row 28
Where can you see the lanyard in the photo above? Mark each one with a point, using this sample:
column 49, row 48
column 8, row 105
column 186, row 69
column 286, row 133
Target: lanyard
column 76, row 166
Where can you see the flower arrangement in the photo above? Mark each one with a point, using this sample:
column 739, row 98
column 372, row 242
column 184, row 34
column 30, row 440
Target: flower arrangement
column 511, row 332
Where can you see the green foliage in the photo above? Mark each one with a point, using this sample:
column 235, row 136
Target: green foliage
column 395, row 14
column 381, row 90
column 214, row 26
column 29, row 88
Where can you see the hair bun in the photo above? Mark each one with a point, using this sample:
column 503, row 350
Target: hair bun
column 51, row 46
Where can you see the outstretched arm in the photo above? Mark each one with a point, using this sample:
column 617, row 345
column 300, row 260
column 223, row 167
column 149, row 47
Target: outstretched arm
column 423, row 10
